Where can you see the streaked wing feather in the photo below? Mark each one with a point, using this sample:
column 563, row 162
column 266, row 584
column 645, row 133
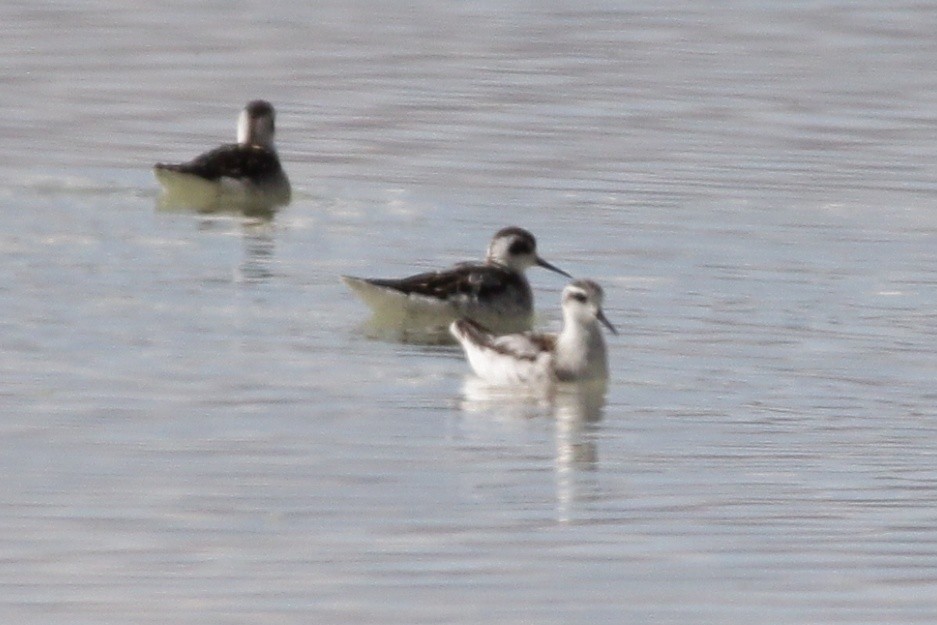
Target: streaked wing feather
column 466, row 279
column 509, row 359
column 230, row 161
column 527, row 345
column 524, row 345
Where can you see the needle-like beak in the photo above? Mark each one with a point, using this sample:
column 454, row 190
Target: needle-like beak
column 608, row 324
column 546, row 265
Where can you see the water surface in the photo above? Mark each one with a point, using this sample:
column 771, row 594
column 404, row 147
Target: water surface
column 196, row 428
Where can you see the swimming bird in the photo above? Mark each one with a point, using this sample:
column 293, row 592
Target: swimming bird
column 494, row 293
column 576, row 354
column 248, row 170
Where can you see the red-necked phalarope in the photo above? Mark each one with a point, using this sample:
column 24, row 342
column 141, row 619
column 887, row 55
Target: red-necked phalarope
column 494, row 293
column 575, row 354
column 248, row 170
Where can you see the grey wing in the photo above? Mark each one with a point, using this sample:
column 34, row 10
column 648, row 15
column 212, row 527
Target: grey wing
column 526, row 345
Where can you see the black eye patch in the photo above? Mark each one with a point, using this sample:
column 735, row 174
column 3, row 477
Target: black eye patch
column 579, row 297
column 520, row 247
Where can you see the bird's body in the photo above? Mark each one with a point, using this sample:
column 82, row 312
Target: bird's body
column 495, row 293
column 248, row 171
column 577, row 353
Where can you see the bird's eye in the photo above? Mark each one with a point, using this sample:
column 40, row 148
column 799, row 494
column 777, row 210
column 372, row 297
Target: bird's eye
column 579, row 297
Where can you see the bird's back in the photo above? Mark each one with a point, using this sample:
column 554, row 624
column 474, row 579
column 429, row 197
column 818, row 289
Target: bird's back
column 245, row 162
column 520, row 358
column 489, row 294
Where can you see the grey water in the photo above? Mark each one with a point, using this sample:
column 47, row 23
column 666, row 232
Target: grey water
column 195, row 426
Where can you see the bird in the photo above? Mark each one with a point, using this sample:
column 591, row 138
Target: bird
column 495, row 292
column 576, row 354
column 246, row 171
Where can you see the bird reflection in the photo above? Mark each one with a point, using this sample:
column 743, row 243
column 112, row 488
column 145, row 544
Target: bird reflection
column 576, row 410
column 237, row 207
column 257, row 236
column 258, row 252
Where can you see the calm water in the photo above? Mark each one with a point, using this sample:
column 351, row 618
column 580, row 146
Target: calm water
column 196, row 429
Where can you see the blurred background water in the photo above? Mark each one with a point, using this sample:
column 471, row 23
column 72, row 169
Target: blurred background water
column 196, row 429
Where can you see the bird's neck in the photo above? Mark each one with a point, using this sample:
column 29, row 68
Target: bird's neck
column 580, row 351
column 252, row 133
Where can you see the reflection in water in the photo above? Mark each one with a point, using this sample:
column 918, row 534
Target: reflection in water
column 505, row 403
column 206, row 201
column 397, row 330
column 257, row 230
column 258, row 252
column 576, row 409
